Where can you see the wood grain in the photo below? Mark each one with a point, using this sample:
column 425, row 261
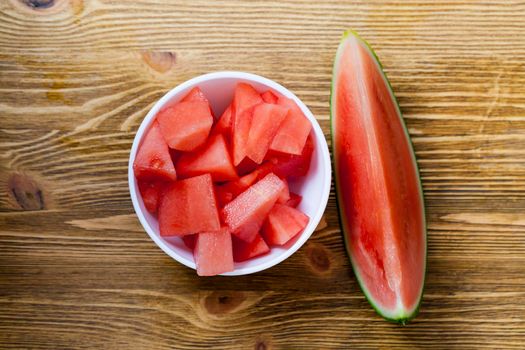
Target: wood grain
column 77, row 77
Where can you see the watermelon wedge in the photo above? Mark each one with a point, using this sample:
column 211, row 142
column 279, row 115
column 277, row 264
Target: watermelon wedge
column 213, row 158
column 153, row 160
column 379, row 195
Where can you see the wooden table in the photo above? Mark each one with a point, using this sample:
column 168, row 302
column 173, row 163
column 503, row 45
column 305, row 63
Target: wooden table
column 77, row 271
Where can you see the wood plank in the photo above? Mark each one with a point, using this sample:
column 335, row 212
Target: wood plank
column 76, row 79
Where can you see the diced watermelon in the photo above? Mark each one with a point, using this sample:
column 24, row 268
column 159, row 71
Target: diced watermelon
column 243, row 251
column 269, row 97
column 195, row 94
column 266, row 120
column 283, row 223
column 294, row 200
column 244, row 99
column 213, row 252
column 290, row 165
column 246, row 213
column 189, row 241
column 188, row 207
column 224, row 124
column 149, row 191
column 246, row 166
column 186, row 125
column 229, row 191
column 294, row 130
column 213, row 158
column 153, row 161
column 284, row 196
column 224, row 194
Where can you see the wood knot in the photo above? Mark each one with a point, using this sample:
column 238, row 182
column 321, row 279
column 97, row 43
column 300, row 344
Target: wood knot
column 263, row 342
column 318, row 258
column 261, row 345
column 25, row 192
column 161, row 62
column 38, row 4
column 223, row 302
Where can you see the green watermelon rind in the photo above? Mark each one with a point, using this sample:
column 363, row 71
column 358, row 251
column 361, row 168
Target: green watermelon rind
column 402, row 318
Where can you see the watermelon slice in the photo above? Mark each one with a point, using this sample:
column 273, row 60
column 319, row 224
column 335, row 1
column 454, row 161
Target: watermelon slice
column 213, row 252
column 293, row 131
column 189, row 241
column 291, row 165
column 283, row 224
column 153, row 161
column 186, row 125
column 224, row 124
column 246, row 213
column 150, row 192
column 378, row 190
column 284, row 196
column 294, row 200
column 244, row 99
column 269, row 97
column 243, row 251
column 195, row 94
column 213, row 158
column 266, row 120
column 188, row 207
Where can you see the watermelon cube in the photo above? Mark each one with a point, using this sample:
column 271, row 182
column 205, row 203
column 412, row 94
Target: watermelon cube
column 153, row 161
column 213, row 252
column 214, row 158
column 150, row 192
column 186, row 125
column 294, row 130
column 188, row 207
column 284, row 196
column 189, row 240
column 245, row 214
column 266, row 120
column 224, row 124
column 291, row 165
column 283, row 224
column 195, row 94
column 244, row 99
column 269, row 97
column 243, row 251
column 294, row 200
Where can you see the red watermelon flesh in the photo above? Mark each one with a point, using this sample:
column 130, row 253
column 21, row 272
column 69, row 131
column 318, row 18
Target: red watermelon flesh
column 224, row 124
column 227, row 192
column 246, row 166
column 378, row 190
column 213, row 252
column 283, row 224
column 284, row 196
column 246, row 213
column 243, row 250
column 269, row 97
column 291, row 165
column 294, row 130
column 214, row 158
column 195, row 94
column 186, row 125
column 150, row 192
column 266, row 121
column 188, row 207
column 294, row 200
column 153, row 161
column 244, row 99
column 189, row 241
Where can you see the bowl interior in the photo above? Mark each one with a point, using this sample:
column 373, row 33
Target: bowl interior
column 314, row 187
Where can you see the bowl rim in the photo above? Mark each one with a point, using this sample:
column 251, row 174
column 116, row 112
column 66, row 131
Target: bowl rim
column 319, row 137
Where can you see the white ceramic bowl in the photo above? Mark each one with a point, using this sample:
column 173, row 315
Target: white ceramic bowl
column 314, row 187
